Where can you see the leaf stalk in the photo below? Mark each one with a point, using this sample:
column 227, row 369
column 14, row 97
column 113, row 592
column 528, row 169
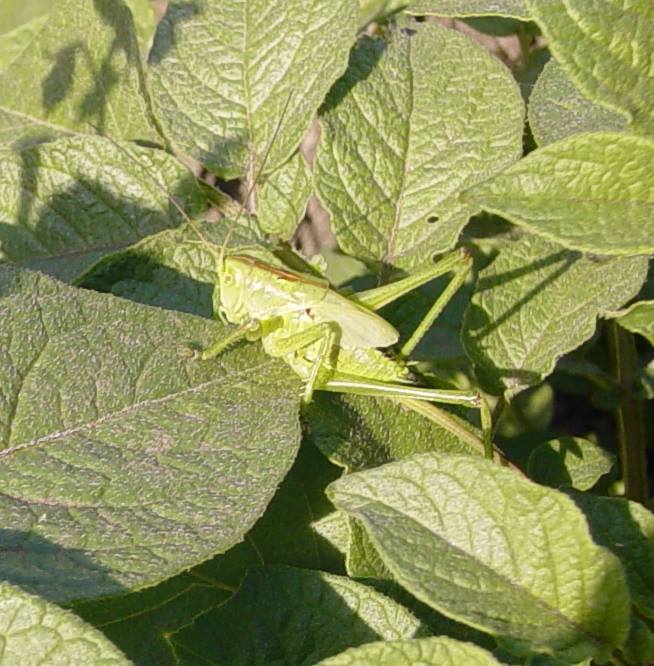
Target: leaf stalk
column 629, row 415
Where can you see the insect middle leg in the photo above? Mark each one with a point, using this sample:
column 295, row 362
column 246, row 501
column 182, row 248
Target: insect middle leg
column 283, row 347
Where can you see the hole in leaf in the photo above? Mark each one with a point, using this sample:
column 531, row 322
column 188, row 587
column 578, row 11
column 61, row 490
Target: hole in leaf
column 432, row 219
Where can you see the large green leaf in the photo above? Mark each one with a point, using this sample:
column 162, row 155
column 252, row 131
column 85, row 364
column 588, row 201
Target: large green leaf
column 569, row 461
column 283, row 198
column 33, row 631
column 626, row 528
column 14, row 42
column 496, row 551
column 638, row 318
column 282, row 615
column 85, row 75
column 437, row 650
column 536, row 302
column 222, row 76
column 67, row 203
column 557, row 109
column 14, row 13
column 513, row 8
column 140, row 623
column 606, row 49
column 126, row 461
column 589, row 192
column 411, row 124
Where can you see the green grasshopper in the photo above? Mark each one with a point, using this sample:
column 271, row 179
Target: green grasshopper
column 332, row 341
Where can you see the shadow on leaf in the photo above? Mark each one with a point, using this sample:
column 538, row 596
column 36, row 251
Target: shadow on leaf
column 166, row 37
column 50, row 570
column 104, row 75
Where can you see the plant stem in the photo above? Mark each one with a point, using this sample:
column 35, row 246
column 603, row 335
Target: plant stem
column 629, row 415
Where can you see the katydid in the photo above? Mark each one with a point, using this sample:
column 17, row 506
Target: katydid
column 333, row 342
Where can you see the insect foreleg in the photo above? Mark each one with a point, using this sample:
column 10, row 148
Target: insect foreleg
column 220, row 345
column 325, row 333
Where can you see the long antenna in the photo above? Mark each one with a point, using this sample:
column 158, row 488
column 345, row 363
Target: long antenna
column 153, row 179
column 178, row 206
column 257, row 175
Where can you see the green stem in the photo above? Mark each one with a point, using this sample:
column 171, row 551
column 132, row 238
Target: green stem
column 629, row 415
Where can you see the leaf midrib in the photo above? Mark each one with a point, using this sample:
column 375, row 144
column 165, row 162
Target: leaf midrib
column 389, row 255
column 88, row 425
column 398, row 575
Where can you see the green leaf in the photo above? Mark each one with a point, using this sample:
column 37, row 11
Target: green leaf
column 221, row 103
column 283, row 198
column 36, row 632
column 374, row 10
column 400, row 141
column 14, row 13
column 363, row 559
column 175, row 269
column 589, row 192
column 639, row 647
column 637, row 318
column 606, row 49
column 282, row 615
column 85, row 75
column 536, row 302
column 125, row 461
column 141, row 623
column 646, row 381
column 334, row 529
column 359, row 432
column 14, row 42
column 557, row 109
column 514, row 8
column 569, row 461
column 496, row 551
column 67, row 203
column 437, row 650
column 627, row 529
column 145, row 22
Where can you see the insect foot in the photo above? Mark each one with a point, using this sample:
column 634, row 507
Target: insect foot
column 189, row 352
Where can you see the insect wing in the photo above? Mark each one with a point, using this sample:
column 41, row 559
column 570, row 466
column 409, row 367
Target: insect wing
column 359, row 327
